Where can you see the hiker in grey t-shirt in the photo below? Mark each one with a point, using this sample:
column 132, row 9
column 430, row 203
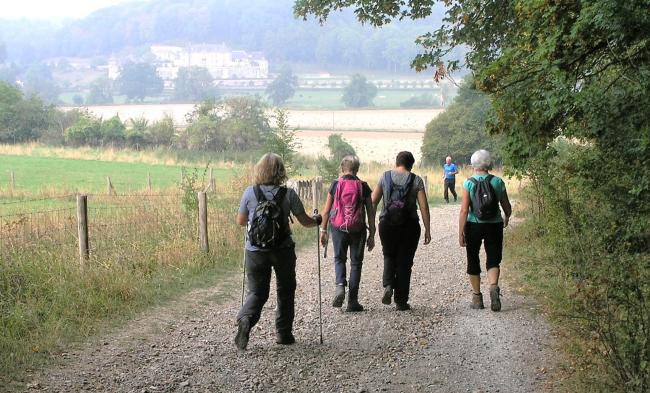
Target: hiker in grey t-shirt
column 399, row 226
column 270, row 175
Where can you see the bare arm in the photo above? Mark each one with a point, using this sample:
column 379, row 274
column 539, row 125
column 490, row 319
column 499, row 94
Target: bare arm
column 324, row 237
column 372, row 229
column 377, row 193
column 426, row 217
column 462, row 218
column 306, row 221
column 507, row 208
column 241, row 219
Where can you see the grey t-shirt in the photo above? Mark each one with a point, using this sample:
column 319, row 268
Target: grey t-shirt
column 290, row 204
column 400, row 178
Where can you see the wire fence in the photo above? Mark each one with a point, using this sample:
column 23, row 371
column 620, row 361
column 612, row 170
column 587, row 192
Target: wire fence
column 126, row 227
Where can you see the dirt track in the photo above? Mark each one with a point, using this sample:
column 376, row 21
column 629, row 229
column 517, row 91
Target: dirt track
column 439, row 346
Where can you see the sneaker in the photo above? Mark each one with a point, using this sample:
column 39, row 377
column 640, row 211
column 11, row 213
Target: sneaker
column 402, row 306
column 477, row 301
column 339, row 296
column 495, row 300
column 388, row 295
column 243, row 332
column 285, row 339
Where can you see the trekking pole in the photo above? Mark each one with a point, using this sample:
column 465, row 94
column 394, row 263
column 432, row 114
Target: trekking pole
column 243, row 278
column 320, row 305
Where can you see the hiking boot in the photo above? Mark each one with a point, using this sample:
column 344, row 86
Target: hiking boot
column 477, row 301
column 339, row 296
column 495, row 300
column 353, row 302
column 243, row 332
column 402, row 306
column 285, row 338
column 388, row 295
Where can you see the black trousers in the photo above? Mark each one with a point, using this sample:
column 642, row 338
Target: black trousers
column 450, row 185
column 399, row 243
column 491, row 235
column 258, row 274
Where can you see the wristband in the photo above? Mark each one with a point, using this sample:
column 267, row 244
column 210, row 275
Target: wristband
column 322, row 230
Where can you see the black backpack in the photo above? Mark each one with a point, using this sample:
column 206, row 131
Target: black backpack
column 483, row 201
column 269, row 227
column 395, row 202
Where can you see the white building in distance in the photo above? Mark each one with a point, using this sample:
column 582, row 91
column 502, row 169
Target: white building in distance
column 219, row 60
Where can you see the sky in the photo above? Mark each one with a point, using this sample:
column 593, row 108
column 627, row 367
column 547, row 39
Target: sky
column 52, row 10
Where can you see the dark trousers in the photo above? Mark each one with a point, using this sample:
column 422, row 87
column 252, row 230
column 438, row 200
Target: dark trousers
column 258, row 273
column 450, row 185
column 356, row 242
column 491, row 235
column 399, row 244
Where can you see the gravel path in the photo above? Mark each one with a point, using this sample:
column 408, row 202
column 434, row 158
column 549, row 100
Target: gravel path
column 439, row 346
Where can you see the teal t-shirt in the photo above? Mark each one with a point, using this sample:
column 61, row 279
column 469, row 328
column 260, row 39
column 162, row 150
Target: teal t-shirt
column 499, row 189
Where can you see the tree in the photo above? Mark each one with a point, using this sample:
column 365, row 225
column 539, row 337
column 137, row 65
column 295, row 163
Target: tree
column 161, row 132
column 283, row 87
column 568, row 83
column 282, row 141
column 139, row 80
column 194, row 84
column 329, row 167
column 461, row 129
column 38, row 81
column 100, row 92
column 21, row 119
column 359, row 93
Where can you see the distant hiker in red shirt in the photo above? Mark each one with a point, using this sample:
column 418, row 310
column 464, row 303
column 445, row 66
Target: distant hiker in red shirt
column 348, row 204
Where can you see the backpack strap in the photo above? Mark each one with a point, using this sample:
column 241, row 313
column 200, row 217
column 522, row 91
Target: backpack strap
column 388, row 189
column 259, row 195
column 282, row 192
column 409, row 183
column 472, row 180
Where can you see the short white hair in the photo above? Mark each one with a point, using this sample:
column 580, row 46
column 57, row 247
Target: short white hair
column 350, row 163
column 481, row 159
column 448, row 158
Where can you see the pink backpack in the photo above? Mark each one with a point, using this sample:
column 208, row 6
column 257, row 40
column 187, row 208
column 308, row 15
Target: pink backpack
column 347, row 212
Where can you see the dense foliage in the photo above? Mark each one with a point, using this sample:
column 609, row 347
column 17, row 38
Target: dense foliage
column 194, row 84
column 359, row 93
column 330, row 167
column 283, row 86
column 139, row 80
column 460, row 130
column 574, row 71
column 22, row 119
column 282, row 141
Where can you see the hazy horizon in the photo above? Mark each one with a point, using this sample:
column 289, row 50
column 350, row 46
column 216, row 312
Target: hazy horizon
column 62, row 9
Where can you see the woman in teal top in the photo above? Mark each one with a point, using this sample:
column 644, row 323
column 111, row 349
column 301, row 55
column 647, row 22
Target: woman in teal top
column 472, row 230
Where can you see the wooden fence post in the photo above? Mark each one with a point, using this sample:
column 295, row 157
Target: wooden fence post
column 212, row 185
column 110, row 190
column 314, row 193
column 203, row 221
column 82, row 227
column 13, row 181
column 149, row 181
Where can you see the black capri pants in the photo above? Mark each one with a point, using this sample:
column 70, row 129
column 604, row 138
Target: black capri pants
column 491, row 235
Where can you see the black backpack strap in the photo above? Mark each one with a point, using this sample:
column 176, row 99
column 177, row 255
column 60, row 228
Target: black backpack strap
column 279, row 196
column 474, row 181
column 259, row 195
column 488, row 178
column 409, row 183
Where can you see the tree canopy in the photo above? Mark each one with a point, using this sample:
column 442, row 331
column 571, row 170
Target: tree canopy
column 194, row 84
column 139, row 80
column 21, row 119
column 359, row 92
column 283, row 86
column 461, row 129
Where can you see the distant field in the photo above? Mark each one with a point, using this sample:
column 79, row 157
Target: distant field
column 36, row 174
column 342, row 120
column 303, row 99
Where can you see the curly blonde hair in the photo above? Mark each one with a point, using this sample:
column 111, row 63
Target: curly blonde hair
column 270, row 170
